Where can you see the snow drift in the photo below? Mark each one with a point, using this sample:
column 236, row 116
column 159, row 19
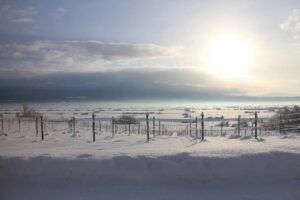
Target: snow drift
column 176, row 169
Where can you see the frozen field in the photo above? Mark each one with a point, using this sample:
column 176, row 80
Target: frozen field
column 166, row 110
column 167, row 167
column 68, row 166
column 65, row 145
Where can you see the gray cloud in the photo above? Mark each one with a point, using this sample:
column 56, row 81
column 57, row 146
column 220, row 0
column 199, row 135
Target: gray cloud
column 119, row 85
column 59, row 13
column 61, row 56
column 124, row 85
column 24, row 15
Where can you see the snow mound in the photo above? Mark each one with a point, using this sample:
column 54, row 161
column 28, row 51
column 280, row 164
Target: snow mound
column 234, row 137
column 288, row 137
column 246, row 137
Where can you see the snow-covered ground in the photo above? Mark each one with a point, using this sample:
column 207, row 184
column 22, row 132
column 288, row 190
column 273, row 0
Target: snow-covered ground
column 166, row 167
column 64, row 166
column 65, row 145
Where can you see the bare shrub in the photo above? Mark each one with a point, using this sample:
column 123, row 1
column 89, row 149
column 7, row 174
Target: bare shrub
column 29, row 112
column 126, row 119
column 285, row 116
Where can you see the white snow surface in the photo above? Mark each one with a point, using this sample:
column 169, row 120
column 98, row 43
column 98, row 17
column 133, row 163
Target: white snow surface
column 64, row 166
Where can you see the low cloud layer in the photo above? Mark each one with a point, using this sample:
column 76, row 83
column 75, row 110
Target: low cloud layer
column 120, row 85
column 144, row 84
column 74, row 56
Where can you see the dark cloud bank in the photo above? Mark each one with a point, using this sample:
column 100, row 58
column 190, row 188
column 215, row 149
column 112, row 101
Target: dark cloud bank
column 121, row 85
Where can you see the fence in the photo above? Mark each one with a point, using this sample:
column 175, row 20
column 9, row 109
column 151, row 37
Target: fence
column 151, row 127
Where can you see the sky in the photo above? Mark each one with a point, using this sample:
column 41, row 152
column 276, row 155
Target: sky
column 138, row 49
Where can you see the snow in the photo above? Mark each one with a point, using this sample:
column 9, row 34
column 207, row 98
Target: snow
column 63, row 144
column 166, row 167
column 128, row 167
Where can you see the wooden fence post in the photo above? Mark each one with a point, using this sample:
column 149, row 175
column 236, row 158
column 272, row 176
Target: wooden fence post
column 113, row 126
column 93, row 125
column 19, row 121
column 73, row 126
column 158, row 127
column 36, row 126
column 42, row 128
column 196, row 121
column 255, row 124
column 202, row 126
column 187, row 130
column 221, row 128
column 238, row 124
column 147, row 124
column 190, row 129
column 2, row 123
column 153, row 128
column 129, row 128
column 280, row 124
column 99, row 126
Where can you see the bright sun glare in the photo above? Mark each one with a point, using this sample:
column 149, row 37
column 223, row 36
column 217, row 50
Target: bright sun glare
column 229, row 56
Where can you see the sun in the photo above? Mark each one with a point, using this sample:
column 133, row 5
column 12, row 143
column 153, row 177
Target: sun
column 229, row 55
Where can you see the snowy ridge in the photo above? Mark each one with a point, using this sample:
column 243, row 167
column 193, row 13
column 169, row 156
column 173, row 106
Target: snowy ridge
column 177, row 169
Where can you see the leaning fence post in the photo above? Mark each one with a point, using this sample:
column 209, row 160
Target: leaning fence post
column 202, row 126
column 147, row 124
column 93, row 124
column 42, row 128
column 255, row 124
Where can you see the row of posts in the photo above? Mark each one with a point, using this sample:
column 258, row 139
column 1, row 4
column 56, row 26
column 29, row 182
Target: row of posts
column 153, row 129
column 147, row 126
column 239, row 125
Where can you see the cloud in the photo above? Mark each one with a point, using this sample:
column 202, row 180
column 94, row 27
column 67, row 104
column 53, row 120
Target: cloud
column 118, row 85
column 76, row 56
column 24, row 15
column 59, row 13
column 150, row 84
column 292, row 24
